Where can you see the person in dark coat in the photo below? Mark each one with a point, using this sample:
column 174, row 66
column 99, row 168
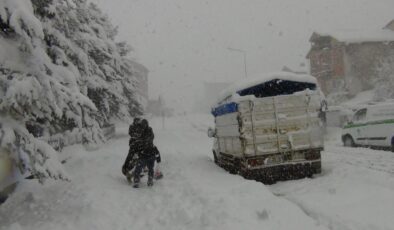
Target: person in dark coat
column 141, row 145
column 131, row 159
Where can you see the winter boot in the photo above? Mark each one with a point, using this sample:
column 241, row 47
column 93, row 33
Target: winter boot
column 129, row 179
column 150, row 181
column 136, row 185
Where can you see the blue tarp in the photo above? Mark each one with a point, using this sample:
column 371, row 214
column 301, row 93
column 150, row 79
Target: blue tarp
column 276, row 87
column 225, row 109
column 271, row 88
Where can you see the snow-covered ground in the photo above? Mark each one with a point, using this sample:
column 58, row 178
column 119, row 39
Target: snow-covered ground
column 355, row 190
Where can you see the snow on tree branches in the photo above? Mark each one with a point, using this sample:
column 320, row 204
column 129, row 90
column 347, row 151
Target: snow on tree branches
column 60, row 70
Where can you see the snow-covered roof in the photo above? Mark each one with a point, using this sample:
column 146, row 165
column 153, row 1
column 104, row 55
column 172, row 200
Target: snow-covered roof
column 360, row 99
column 390, row 25
column 261, row 78
column 359, row 36
column 365, row 99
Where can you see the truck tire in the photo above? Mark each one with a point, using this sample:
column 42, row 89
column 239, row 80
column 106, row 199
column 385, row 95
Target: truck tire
column 316, row 166
column 392, row 144
column 348, row 141
column 234, row 169
column 246, row 174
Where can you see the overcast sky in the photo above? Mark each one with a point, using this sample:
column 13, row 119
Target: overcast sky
column 185, row 42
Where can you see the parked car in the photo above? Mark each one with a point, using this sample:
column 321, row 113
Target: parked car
column 371, row 126
column 270, row 128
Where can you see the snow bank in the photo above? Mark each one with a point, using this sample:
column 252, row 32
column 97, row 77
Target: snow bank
column 30, row 156
column 360, row 99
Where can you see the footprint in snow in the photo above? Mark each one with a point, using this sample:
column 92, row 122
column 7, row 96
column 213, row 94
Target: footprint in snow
column 262, row 215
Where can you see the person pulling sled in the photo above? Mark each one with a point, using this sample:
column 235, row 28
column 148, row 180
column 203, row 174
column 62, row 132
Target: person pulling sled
column 142, row 153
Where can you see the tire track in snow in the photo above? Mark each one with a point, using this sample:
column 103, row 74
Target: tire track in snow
column 330, row 223
column 377, row 160
column 349, row 174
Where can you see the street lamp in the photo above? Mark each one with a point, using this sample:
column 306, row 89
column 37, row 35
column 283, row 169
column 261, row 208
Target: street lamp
column 244, row 54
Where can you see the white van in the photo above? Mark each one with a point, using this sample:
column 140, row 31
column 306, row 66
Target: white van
column 371, row 126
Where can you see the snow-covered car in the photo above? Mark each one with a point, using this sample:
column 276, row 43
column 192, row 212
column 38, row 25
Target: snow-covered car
column 371, row 126
column 269, row 128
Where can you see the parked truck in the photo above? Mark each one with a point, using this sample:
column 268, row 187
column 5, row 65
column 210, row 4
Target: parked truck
column 270, row 128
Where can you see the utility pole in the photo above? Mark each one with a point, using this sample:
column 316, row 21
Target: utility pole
column 162, row 113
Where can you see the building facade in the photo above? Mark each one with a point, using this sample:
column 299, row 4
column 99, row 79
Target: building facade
column 348, row 61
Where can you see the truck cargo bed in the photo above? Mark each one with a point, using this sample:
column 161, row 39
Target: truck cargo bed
column 272, row 135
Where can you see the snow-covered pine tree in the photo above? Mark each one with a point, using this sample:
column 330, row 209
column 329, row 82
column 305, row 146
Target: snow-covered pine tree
column 60, row 69
column 134, row 105
column 92, row 50
column 30, row 90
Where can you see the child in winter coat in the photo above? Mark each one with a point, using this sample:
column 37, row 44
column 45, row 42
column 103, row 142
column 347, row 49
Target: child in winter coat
column 142, row 152
column 131, row 159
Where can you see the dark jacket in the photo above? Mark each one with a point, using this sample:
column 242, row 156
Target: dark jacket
column 141, row 142
column 157, row 154
column 132, row 159
column 141, row 145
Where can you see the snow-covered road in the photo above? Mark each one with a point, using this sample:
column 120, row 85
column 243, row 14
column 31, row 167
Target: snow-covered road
column 355, row 190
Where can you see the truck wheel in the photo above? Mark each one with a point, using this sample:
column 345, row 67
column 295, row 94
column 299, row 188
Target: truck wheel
column 348, row 141
column 316, row 168
column 234, row 169
column 392, row 144
column 246, row 174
